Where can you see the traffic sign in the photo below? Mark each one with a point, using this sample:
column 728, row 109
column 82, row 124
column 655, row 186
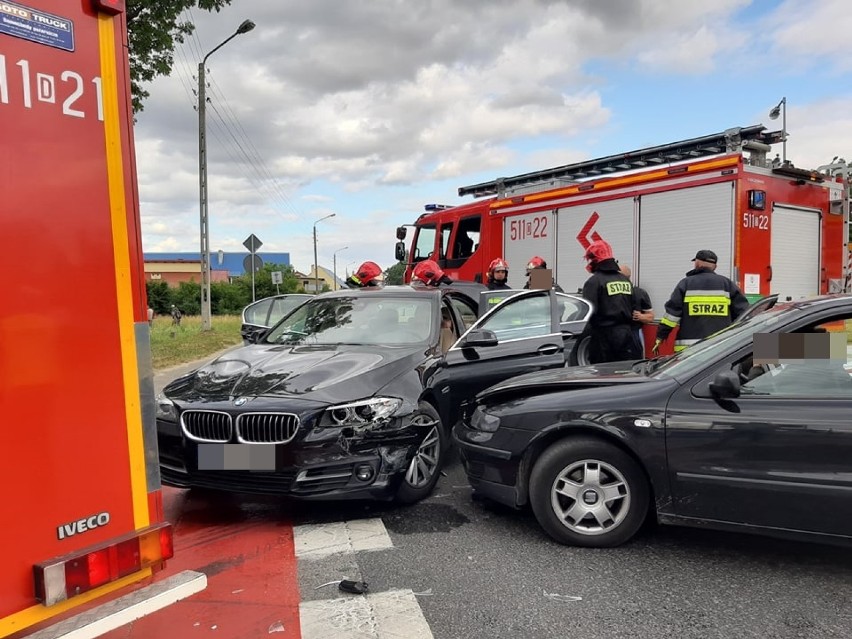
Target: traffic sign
column 277, row 277
column 252, row 243
column 247, row 262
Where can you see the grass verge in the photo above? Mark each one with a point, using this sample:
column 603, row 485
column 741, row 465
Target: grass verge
column 172, row 345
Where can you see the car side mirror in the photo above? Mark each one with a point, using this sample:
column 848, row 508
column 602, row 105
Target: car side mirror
column 252, row 337
column 480, row 337
column 399, row 252
column 401, row 232
column 726, row 385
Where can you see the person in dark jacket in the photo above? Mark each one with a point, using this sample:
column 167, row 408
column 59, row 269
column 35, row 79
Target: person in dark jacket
column 537, row 262
column 642, row 311
column 613, row 338
column 701, row 304
column 498, row 273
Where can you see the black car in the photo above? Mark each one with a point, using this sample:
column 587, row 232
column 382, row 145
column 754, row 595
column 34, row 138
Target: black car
column 329, row 403
column 259, row 316
column 748, row 430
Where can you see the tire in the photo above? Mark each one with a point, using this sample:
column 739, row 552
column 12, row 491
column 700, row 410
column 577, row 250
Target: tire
column 423, row 471
column 621, row 493
column 580, row 353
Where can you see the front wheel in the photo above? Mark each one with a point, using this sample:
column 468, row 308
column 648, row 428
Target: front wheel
column 586, row 492
column 423, row 470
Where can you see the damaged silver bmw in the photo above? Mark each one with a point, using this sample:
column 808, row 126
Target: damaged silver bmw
column 331, row 403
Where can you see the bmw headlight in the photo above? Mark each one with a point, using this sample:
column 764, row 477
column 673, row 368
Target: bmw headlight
column 166, row 409
column 360, row 413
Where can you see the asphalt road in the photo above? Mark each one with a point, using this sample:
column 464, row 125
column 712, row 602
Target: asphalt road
column 491, row 572
column 484, row 571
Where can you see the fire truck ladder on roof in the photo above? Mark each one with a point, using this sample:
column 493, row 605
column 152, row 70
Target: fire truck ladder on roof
column 730, row 141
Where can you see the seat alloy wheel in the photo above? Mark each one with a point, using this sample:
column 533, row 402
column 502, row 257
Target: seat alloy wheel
column 425, row 466
column 587, row 492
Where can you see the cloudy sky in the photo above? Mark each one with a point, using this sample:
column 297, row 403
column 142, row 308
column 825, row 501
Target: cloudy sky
column 370, row 109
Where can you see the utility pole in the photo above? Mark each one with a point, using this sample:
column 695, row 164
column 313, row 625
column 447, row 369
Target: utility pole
column 335, row 264
column 316, row 266
column 247, row 25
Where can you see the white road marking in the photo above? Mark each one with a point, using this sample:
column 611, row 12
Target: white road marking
column 119, row 612
column 321, row 540
column 394, row 614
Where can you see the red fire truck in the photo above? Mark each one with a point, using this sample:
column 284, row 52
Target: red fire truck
column 776, row 229
column 82, row 507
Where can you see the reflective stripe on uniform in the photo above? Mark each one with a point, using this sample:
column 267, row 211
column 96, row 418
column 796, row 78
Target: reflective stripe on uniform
column 669, row 320
column 707, row 293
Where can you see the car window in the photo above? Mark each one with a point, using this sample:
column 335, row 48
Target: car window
column 358, row 320
column 522, row 318
column 572, row 309
column 695, row 358
column 283, row 305
column 256, row 313
column 467, row 314
column 813, row 363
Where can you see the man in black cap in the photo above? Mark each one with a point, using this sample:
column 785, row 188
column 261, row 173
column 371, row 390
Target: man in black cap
column 701, row 304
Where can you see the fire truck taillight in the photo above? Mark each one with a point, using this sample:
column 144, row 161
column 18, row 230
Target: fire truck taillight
column 78, row 572
column 109, row 6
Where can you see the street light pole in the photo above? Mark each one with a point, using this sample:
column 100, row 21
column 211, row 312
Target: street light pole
column 247, row 25
column 335, row 264
column 781, row 109
column 316, row 266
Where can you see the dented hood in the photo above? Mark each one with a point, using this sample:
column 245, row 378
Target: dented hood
column 332, row 373
column 593, row 376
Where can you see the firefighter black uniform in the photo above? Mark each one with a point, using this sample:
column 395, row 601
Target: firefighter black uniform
column 701, row 304
column 613, row 338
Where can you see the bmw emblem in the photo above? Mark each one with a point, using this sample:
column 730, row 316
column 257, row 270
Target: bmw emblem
column 239, row 401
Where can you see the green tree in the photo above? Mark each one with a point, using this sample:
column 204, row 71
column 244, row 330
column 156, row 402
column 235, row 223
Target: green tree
column 154, row 28
column 228, row 299
column 263, row 285
column 159, row 296
column 395, row 274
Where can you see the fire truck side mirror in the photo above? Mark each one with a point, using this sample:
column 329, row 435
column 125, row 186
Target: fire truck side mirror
column 400, row 252
column 401, row 232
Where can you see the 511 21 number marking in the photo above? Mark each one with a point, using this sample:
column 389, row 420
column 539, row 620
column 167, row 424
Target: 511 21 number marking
column 42, row 87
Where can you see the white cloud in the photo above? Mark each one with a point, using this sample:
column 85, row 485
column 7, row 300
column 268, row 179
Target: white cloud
column 802, row 32
column 383, row 99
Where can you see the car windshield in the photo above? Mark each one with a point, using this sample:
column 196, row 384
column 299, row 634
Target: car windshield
column 695, row 357
column 358, row 320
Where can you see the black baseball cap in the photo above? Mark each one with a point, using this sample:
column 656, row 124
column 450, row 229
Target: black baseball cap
column 706, row 256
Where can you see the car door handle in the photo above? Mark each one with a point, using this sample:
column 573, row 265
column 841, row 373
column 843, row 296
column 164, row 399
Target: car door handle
column 548, row 349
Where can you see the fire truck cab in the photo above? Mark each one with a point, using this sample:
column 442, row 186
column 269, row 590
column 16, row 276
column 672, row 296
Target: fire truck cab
column 83, row 517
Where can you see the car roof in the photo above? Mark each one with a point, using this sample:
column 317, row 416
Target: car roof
column 406, row 290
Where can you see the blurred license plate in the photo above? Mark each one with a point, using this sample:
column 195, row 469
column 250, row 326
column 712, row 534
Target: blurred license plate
column 236, row 457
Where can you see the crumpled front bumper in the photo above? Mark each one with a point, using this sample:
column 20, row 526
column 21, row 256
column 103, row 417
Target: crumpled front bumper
column 319, row 464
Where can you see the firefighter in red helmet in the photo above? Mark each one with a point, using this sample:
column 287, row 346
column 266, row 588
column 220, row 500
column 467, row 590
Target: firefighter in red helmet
column 535, row 263
column 610, row 327
column 430, row 273
column 368, row 274
column 498, row 273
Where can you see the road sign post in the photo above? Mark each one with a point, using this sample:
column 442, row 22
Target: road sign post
column 277, row 279
column 253, row 262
